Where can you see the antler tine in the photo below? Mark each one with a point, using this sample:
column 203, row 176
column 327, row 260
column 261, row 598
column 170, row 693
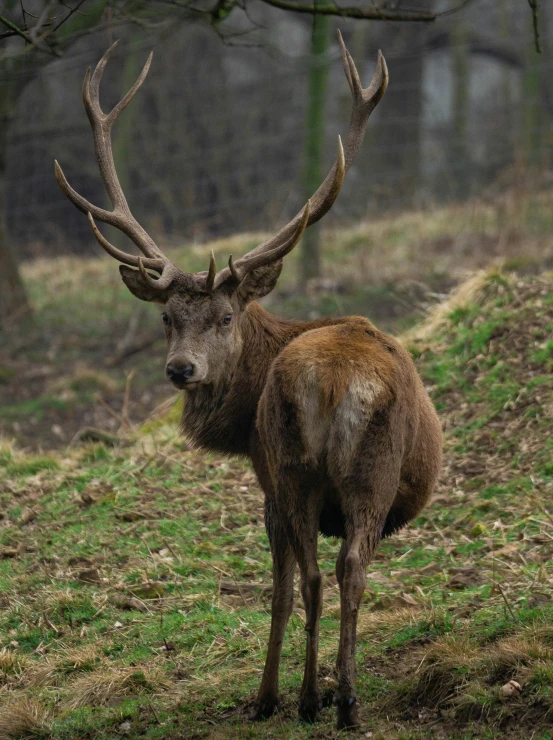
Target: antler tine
column 252, row 261
column 99, row 71
column 364, row 102
column 233, row 270
column 121, row 216
column 126, row 259
column 167, row 276
column 91, row 89
column 108, row 217
column 210, row 279
column 122, row 104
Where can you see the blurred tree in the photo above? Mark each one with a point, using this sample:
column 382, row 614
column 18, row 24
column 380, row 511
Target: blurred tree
column 33, row 33
column 45, row 35
column 13, row 299
column 460, row 92
column 396, row 137
column 533, row 114
column 31, row 39
column 314, row 140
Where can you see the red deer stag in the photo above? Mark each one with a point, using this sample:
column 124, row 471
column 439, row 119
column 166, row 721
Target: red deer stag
column 343, row 437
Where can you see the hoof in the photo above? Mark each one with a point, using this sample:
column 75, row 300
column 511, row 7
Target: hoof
column 264, row 709
column 348, row 718
column 309, row 707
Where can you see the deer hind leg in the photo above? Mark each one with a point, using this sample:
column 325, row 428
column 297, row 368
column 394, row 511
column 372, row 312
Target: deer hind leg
column 296, row 496
column 312, row 594
column 366, row 510
column 352, row 585
column 284, row 563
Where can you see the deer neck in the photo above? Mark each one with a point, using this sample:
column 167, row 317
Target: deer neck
column 222, row 417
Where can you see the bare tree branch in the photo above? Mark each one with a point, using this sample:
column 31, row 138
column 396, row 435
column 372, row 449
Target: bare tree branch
column 16, row 31
column 68, row 16
column 534, row 8
column 372, row 14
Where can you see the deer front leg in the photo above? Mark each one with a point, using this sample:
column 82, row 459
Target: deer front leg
column 284, row 564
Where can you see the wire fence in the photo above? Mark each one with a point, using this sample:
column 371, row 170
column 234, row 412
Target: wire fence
column 214, row 142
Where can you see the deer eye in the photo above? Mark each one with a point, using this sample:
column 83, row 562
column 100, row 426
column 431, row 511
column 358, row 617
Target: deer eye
column 165, row 318
column 227, row 319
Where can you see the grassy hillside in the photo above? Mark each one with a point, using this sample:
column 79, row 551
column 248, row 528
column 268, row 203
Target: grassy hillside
column 68, row 368
column 135, row 581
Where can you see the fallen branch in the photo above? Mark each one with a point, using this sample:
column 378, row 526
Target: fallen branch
column 91, row 434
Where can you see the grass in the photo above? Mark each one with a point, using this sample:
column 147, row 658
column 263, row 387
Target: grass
column 135, row 581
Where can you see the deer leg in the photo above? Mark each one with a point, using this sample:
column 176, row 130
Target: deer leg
column 340, row 571
column 366, row 510
column 351, row 591
column 284, row 564
column 312, row 594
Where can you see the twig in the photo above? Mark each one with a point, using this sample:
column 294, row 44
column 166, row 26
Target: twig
column 534, row 8
column 168, row 546
column 16, row 30
column 108, row 408
column 90, row 434
column 129, row 350
column 513, row 615
column 154, row 713
column 144, row 465
column 125, row 423
column 230, row 575
column 68, row 16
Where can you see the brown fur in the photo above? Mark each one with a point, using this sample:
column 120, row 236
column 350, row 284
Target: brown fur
column 341, row 432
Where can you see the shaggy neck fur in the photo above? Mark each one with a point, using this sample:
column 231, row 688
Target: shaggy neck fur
column 222, row 418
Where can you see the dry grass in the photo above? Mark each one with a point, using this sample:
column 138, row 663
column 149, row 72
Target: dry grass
column 456, row 672
column 84, row 378
column 22, row 718
column 12, row 665
column 467, row 292
column 107, row 685
column 51, row 670
column 443, row 670
column 83, row 658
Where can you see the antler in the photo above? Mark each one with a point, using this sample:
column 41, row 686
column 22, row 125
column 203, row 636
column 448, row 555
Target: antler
column 364, row 102
column 121, row 216
column 272, row 250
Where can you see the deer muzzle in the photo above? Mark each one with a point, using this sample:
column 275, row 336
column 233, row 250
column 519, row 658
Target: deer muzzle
column 183, row 373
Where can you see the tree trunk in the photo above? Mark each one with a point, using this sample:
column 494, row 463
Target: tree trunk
column 534, row 94
column 14, row 303
column 459, row 161
column 13, row 298
column 314, row 140
column 396, row 134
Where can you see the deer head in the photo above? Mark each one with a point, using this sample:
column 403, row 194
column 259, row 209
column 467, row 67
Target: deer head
column 203, row 312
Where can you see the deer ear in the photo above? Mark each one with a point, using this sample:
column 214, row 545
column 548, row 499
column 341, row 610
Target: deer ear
column 260, row 282
column 140, row 289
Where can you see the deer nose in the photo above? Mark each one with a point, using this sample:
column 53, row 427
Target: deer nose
column 180, row 374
